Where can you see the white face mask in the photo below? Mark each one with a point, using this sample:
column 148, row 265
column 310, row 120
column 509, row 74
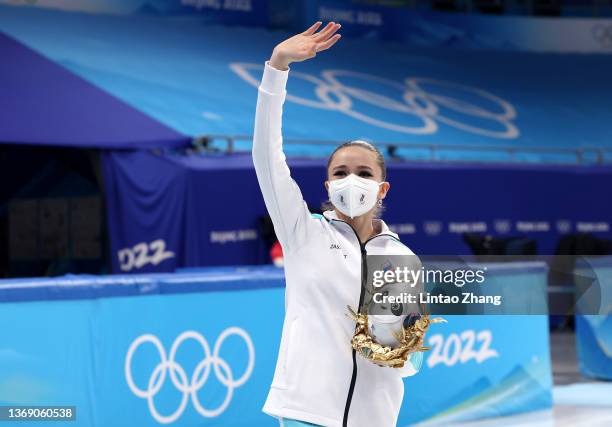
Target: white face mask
column 353, row 195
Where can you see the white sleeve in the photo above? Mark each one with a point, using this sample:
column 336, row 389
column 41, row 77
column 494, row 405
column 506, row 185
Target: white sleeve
column 282, row 196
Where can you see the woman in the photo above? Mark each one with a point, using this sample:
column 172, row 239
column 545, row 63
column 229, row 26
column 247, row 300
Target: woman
column 319, row 379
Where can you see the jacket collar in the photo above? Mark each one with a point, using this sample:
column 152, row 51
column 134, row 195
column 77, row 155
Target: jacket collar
column 384, row 228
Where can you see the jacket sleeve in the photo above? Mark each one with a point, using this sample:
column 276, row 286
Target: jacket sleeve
column 282, row 196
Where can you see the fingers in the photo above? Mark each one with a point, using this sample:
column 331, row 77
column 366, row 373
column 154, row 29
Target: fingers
column 329, row 43
column 325, row 33
column 312, row 28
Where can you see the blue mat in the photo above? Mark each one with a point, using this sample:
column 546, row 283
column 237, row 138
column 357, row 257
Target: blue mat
column 206, row 84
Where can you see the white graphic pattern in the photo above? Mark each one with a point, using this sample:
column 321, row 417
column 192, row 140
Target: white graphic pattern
column 416, row 102
column 178, row 376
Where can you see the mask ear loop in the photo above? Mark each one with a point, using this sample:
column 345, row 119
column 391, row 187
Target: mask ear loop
column 379, row 203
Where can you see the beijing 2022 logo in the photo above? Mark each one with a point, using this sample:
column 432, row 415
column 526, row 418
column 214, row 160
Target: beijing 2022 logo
column 415, row 105
column 189, row 386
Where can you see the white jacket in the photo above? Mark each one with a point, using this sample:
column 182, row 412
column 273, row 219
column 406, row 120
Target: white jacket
column 319, row 378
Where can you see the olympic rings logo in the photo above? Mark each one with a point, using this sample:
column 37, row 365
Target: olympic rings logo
column 602, row 34
column 417, row 99
column 189, row 386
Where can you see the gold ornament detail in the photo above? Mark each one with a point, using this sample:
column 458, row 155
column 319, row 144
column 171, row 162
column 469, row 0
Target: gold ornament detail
column 411, row 340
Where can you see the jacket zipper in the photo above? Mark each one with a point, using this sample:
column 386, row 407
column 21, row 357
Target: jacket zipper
column 349, row 396
column 364, row 274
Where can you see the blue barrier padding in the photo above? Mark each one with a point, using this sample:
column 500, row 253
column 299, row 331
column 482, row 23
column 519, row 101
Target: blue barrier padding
column 84, row 286
column 108, row 355
column 187, row 280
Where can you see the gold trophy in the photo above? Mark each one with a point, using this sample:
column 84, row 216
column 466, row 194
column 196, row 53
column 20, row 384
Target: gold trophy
column 410, row 336
column 410, row 340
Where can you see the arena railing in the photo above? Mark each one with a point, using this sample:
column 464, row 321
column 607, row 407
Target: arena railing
column 434, row 152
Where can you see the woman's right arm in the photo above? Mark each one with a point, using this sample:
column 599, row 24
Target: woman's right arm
column 282, row 196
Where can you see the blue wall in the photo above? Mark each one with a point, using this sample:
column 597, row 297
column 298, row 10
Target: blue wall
column 169, row 211
column 99, row 343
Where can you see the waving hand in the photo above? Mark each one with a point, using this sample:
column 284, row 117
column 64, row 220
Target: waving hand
column 304, row 45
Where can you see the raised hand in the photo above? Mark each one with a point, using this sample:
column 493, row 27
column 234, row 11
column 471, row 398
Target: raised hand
column 304, row 45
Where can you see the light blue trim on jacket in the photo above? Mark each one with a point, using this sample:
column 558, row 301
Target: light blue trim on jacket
column 416, row 359
column 286, row 422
